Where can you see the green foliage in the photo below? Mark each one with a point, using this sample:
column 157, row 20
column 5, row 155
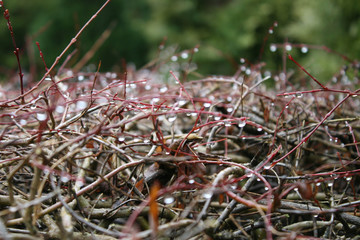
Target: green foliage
column 225, row 30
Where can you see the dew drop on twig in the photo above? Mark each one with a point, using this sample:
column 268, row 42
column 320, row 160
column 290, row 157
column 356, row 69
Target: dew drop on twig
column 169, row 199
column 304, row 49
column 207, row 104
column 273, row 48
column 172, row 118
column 207, row 194
column 242, row 123
column 288, row 47
column 41, row 116
column 184, row 55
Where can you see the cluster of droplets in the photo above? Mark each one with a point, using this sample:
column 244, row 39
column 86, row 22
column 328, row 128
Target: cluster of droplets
column 288, row 47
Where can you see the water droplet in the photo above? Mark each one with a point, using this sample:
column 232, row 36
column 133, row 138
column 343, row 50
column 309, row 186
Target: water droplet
column 169, row 199
column 287, row 106
column 207, row 104
column 271, row 31
column 194, row 114
column 273, row 48
column 174, row 58
column 155, row 100
column 304, row 49
column 266, row 188
column 288, row 47
column 147, row 87
column 229, row 98
column 172, row 118
column 80, row 105
column 163, row 89
column 267, row 167
column 12, row 209
column 80, row 182
column 248, row 71
column 65, row 178
column 330, row 184
column 184, row 55
column 121, row 139
column 188, row 114
column 196, row 49
column 258, row 179
column 342, row 145
column 132, row 85
column 242, row 60
column 81, row 78
column 69, row 73
column 48, row 79
column 229, row 109
column 191, row 181
column 182, row 102
column 146, row 140
column 23, row 122
column 259, row 129
column 217, row 118
column 330, row 139
column 207, row 195
column 267, row 74
column 318, row 184
column 242, row 123
column 33, row 107
column 41, row 116
column 348, row 179
column 59, row 109
column 227, row 124
column 299, row 95
column 315, row 216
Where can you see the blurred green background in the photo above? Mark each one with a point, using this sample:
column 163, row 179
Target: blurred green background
column 226, row 31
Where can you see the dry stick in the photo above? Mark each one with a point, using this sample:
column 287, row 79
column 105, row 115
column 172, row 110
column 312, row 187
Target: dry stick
column 73, row 40
column 220, row 176
column 79, row 218
column 81, row 192
column 246, row 186
column 29, row 211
